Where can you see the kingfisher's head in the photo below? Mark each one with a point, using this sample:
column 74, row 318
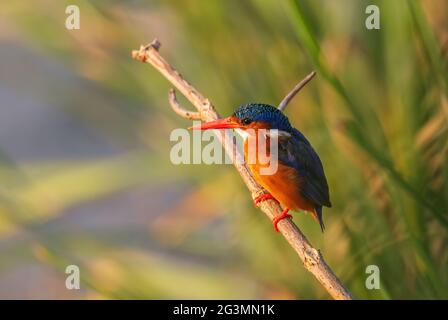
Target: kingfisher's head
column 251, row 116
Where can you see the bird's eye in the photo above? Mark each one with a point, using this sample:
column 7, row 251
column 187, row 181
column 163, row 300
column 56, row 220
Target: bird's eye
column 246, row 121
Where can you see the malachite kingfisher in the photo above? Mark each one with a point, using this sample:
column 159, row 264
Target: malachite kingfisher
column 299, row 182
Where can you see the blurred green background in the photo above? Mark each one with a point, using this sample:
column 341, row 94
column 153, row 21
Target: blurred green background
column 85, row 175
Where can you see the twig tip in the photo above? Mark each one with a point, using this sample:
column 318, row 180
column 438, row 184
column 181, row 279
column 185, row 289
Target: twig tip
column 155, row 44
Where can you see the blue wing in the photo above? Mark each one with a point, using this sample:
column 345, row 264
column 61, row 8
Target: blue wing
column 297, row 152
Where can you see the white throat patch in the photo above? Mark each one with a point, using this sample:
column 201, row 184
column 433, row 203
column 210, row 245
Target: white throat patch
column 243, row 133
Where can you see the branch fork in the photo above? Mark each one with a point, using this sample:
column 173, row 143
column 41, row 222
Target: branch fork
column 311, row 258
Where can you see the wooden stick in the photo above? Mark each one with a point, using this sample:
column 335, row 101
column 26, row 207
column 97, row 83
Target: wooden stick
column 312, row 258
column 177, row 108
column 295, row 90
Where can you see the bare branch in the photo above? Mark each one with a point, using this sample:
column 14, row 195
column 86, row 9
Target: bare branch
column 295, row 90
column 312, row 258
column 184, row 113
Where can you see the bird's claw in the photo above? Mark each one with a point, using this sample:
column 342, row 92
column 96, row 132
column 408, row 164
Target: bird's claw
column 282, row 216
column 263, row 197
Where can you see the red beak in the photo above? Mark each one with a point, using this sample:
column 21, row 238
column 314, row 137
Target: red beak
column 226, row 123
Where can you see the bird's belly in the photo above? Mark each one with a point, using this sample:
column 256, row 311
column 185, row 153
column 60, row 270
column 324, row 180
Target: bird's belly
column 284, row 185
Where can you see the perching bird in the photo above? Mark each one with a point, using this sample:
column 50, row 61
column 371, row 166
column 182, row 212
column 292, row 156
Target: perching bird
column 299, row 182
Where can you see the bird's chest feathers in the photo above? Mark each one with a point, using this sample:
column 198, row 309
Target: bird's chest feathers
column 284, row 184
column 258, row 156
column 257, row 151
column 263, row 149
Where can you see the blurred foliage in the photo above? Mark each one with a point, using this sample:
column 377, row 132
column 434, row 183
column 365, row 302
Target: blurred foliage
column 376, row 113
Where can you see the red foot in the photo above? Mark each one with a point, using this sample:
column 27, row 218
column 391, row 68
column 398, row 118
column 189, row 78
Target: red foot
column 280, row 217
column 263, row 197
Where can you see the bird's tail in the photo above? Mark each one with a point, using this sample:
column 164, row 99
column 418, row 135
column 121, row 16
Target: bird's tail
column 317, row 215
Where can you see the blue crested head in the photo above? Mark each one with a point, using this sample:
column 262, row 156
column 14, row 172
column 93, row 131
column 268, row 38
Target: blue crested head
column 263, row 113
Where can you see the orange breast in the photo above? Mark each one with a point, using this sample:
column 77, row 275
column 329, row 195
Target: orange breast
column 284, row 185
